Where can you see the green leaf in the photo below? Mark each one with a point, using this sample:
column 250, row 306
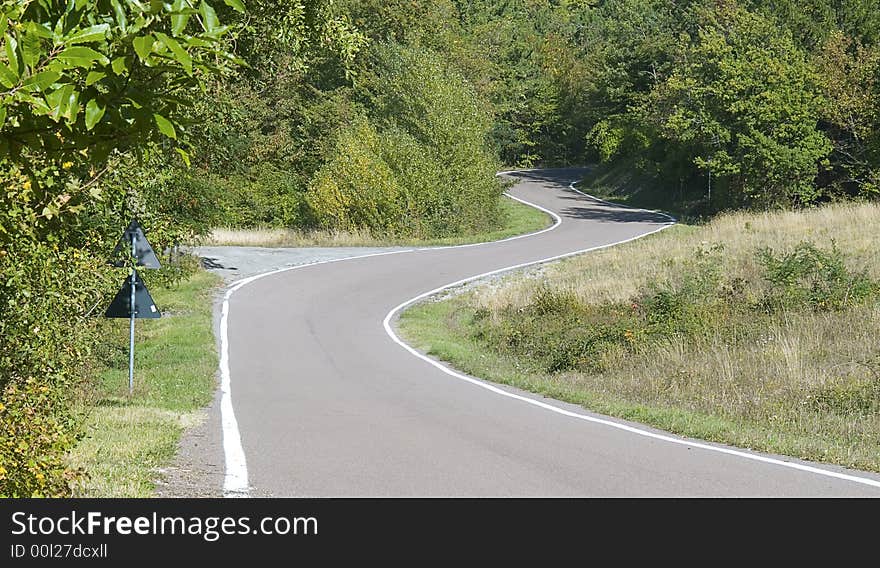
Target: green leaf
column 121, row 19
column 42, row 80
column 88, row 35
column 72, row 109
column 136, row 5
column 94, row 112
column 235, row 5
column 93, row 77
column 38, row 105
column 180, row 19
column 30, row 48
column 119, row 65
column 178, row 23
column 11, row 56
column 7, row 78
column 165, row 126
column 184, row 155
column 50, row 211
column 3, row 120
column 180, row 54
column 209, row 17
column 42, row 31
column 143, row 46
column 58, row 101
column 80, row 56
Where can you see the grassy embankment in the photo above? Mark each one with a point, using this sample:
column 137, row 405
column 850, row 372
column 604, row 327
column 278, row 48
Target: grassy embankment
column 520, row 219
column 695, row 330
column 128, row 441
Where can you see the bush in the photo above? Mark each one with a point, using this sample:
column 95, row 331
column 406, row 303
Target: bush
column 45, row 342
column 357, row 188
column 264, row 197
column 418, row 163
column 811, row 277
column 687, row 303
column 54, row 284
column 420, row 95
column 558, row 332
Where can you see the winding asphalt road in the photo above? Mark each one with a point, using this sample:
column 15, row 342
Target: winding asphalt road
column 328, row 404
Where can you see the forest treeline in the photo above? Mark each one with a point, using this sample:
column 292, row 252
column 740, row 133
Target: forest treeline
column 766, row 103
column 389, row 116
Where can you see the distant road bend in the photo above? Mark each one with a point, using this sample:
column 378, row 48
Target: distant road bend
column 319, row 399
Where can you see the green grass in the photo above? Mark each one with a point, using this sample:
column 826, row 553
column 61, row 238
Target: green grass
column 518, row 219
column 441, row 329
column 801, row 381
column 128, row 439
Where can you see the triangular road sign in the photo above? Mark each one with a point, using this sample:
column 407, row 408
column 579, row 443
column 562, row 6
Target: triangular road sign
column 144, row 306
column 144, row 253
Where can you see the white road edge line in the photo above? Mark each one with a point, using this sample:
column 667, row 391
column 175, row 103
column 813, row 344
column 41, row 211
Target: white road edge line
column 492, row 388
column 235, row 482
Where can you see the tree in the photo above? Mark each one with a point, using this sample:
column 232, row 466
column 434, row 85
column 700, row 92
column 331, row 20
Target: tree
column 83, row 82
column 83, row 78
column 745, row 102
column 418, row 163
column 850, row 79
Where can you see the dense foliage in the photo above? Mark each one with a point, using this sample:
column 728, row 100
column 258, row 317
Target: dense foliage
column 95, row 109
column 739, row 103
column 389, row 117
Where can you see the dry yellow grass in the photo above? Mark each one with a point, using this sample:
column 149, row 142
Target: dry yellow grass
column 518, row 219
column 289, row 238
column 617, row 273
column 802, row 382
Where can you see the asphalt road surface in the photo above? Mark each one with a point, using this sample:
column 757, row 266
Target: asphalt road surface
column 328, row 404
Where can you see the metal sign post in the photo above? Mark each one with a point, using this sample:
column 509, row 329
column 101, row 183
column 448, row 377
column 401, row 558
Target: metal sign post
column 133, row 300
column 133, row 315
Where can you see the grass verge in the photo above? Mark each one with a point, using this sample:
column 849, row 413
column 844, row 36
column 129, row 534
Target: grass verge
column 129, row 439
column 519, row 219
column 704, row 344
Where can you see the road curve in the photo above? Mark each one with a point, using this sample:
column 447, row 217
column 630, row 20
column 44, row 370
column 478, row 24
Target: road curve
column 327, row 404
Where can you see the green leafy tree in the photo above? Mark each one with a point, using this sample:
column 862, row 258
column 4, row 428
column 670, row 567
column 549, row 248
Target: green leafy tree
column 812, row 21
column 81, row 84
column 745, row 102
column 83, row 78
column 419, row 163
column 850, row 79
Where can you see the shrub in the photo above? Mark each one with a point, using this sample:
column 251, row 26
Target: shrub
column 688, row 302
column 45, row 342
column 357, row 188
column 812, row 277
column 418, row 163
column 264, row 197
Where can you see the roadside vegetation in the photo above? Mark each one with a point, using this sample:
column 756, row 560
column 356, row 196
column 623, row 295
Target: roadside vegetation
column 516, row 219
column 366, row 121
column 126, row 440
column 757, row 330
